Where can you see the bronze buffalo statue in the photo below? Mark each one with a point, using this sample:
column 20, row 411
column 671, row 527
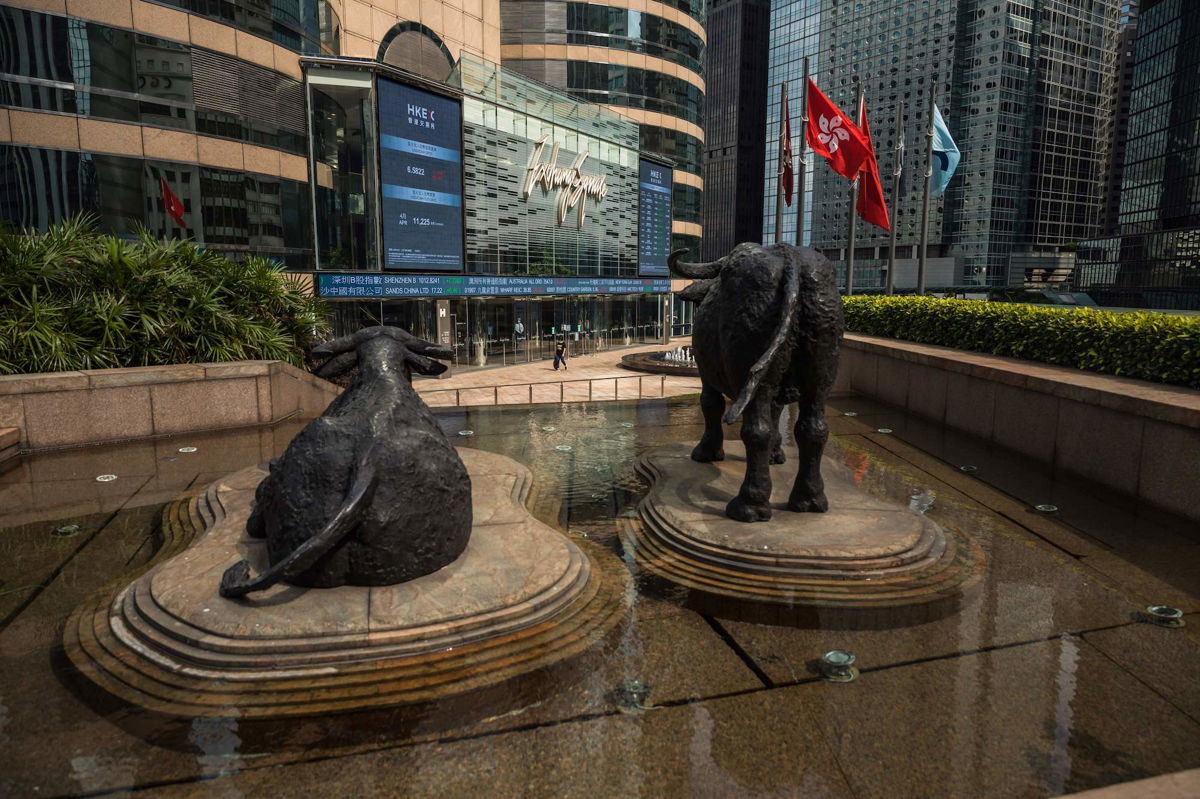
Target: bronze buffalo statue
column 369, row 493
column 765, row 335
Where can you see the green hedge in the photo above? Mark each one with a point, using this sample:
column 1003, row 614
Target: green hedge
column 1163, row 348
column 73, row 298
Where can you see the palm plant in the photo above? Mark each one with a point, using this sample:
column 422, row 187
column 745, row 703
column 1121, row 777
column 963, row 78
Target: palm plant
column 74, row 298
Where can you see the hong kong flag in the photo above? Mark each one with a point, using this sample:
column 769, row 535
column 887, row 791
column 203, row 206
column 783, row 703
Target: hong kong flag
column 833, row 135
column 172, row 204
column 870, row 206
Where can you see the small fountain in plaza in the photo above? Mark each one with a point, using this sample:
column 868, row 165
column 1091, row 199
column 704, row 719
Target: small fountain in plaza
column 679, row 361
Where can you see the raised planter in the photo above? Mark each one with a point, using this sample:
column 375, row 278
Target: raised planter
column 67, row 409
column 1140, row 439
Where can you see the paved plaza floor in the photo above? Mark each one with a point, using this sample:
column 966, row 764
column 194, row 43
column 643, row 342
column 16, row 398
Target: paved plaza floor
column 597, row 377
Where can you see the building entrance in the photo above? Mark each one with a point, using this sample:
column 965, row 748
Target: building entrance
column 496, row 331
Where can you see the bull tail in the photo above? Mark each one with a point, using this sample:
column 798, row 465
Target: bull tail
column 790, row 299
column 236, row 581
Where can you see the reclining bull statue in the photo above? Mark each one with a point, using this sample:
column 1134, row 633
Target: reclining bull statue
column 766, row 334
column 369, row 493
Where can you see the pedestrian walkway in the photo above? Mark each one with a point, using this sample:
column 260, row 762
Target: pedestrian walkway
column 593, row 377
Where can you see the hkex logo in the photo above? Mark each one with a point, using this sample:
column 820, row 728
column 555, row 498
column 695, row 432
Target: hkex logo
column 420, row 115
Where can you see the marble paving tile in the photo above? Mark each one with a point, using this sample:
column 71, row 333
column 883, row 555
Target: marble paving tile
column 1028, row 592
column 1042, row 719
column 1164, row 658
column 751, row 745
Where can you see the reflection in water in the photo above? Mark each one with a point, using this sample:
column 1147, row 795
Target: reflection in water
column 921, row 500
column 993, row 700
column 1060, row 755
column 92, row 773
column 218, row 742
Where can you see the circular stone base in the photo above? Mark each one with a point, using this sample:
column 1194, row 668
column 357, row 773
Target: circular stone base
column 522, row 596
column 645, row 362
column 865, row 552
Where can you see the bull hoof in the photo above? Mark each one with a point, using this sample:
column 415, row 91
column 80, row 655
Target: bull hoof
column 778, row 457
column 703, row 454
column 817, row 504
column 741, row 511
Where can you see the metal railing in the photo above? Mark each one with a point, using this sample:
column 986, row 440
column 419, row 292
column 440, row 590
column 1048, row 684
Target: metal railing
column 592, row 396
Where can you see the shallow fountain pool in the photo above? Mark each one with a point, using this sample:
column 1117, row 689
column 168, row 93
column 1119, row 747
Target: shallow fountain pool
column 1046, row 679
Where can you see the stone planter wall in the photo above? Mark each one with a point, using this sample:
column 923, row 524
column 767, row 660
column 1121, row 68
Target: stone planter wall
column 66, row 409
column 1138, row 438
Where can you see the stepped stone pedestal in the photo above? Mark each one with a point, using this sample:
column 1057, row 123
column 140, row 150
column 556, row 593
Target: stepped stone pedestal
column 522, row 596
column 865, row 553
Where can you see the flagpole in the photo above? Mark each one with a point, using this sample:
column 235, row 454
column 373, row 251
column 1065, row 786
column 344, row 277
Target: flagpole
column 803, row 157
column 779, row 169
column 896, row 170
column 853, row 210
column 925, row 201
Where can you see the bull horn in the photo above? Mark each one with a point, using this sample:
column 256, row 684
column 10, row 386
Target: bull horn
column 694, row 271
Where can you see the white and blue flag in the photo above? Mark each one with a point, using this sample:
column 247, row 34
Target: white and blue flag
column 945, row 155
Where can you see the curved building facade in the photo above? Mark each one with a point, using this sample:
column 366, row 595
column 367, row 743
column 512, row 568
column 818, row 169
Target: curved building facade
column 643, row 59
column 376, row 145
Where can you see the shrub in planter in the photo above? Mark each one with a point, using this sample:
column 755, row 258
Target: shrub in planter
column 1163, row 348
column 73, row 298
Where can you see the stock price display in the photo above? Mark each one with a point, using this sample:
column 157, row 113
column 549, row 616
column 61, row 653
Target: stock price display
column 654, row 219
column 420, row 146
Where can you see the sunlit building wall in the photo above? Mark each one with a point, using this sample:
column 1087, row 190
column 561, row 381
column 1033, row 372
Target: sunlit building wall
column 644, row 61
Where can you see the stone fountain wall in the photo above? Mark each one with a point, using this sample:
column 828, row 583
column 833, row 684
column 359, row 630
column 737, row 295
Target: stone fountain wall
column 1136, row 438
column 68, row 409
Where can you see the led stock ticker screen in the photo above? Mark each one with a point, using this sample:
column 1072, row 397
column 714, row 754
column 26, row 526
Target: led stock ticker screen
column 654, row 218
column 420, row 147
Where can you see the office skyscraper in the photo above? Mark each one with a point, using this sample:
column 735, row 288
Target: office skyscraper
column 1025, row 87
column 1155, row 260
column 1122, row 89
column 735, row 113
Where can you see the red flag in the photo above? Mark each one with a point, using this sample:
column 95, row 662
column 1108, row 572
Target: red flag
column 870, row 206
column 172, row 204
column 785, row 151
column 832, row 134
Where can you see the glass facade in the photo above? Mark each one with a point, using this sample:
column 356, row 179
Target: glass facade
column 492, row 331
column 1024, row 87
column 736, row 105
column 343, row 157
column 1155, row 261
column 632, row 87
column 507, row 233
column 795, row 33
column 237, row 212
column 647, row 88
column 53, row 63
column 513, row 228
column 616, row 28
column 1035, row 82
column 683, row 149
column 311, row 27
column 511, row 234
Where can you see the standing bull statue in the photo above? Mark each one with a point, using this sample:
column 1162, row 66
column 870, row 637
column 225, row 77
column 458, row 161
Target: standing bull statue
column 766, row 334
column 369, row 493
